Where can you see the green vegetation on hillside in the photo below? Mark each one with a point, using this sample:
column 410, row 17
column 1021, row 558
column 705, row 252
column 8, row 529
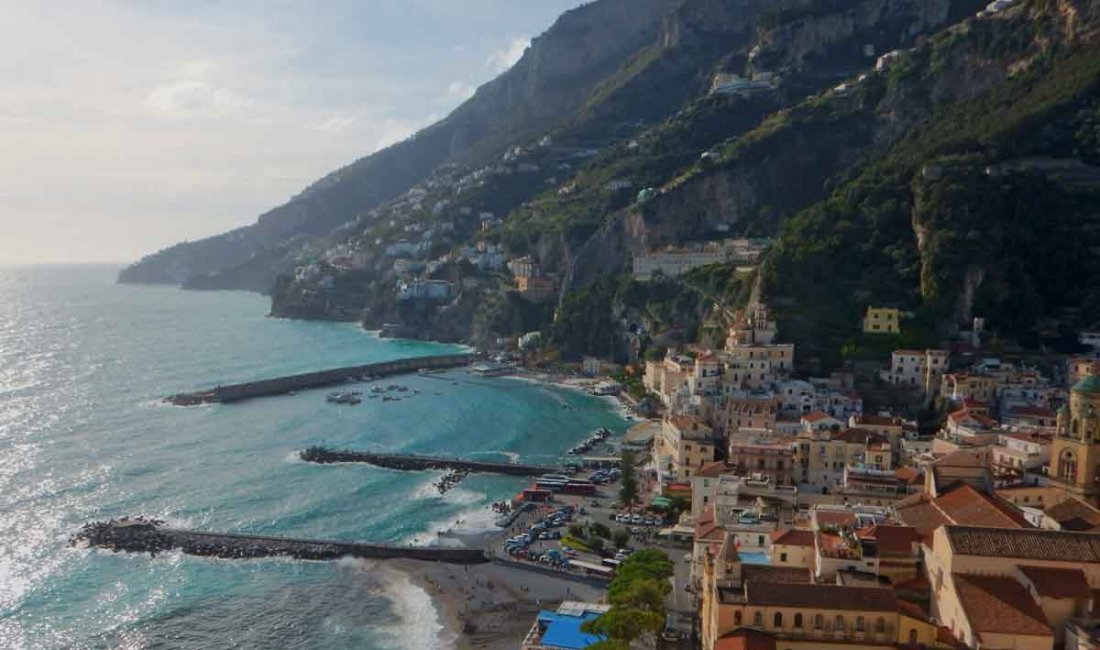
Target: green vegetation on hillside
column 1021, row 232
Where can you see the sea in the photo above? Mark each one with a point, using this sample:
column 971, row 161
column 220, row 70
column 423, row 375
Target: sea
column 84, row 436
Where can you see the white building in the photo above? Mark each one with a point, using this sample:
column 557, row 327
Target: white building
column 918, row 369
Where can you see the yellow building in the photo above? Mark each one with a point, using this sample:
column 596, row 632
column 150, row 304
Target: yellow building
column 782, row 603
column 685, row 444
column 793, row 548
column 1075, row 454
column 882, row 320
column 1011, row 588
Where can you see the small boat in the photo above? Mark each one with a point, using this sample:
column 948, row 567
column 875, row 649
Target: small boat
column 344, row 397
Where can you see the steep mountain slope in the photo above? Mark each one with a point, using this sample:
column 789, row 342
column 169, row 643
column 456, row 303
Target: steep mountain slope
column 957, row 183
column 587, row 224
column 551, row 80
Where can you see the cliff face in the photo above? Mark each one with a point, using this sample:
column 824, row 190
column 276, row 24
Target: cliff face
column 550, row 81
column 792, row 159
column 981, row 199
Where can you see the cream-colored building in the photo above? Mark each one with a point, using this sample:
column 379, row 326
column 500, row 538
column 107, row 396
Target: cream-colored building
column 756, row 416
column 1011, row 588
column 783, row 604
column 685, row 444
column 793, row 547
column 668, row 378
column 823, row 455
column 921, row 370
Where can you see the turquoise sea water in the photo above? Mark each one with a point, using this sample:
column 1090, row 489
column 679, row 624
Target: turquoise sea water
column 83, row 436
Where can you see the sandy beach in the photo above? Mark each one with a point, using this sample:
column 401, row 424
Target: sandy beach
column 490, row 606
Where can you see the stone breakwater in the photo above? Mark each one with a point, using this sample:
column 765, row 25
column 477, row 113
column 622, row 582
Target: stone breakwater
column 141, row 535
column 409, row 462
column 319, row 379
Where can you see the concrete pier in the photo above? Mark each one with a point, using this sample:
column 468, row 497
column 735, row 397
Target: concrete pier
column 151, row 536
column 413, row 462
column 319, row 379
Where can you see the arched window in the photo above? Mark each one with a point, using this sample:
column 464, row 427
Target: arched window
column 1067, row 466
column 819, row 622
column 737, row 617
column 777, row 620
column 839, row 624
column 880, row 625
column 798, row 620
column 859, row 624
column 912, row 636
column 758, row 619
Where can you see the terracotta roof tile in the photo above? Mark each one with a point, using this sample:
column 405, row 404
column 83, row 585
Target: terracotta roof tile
column 909, row 475
column 1025, row 543
column 770, row 573
column 1000, row 605
column 1074, row 514
column 794, row 537
column 968, row 506
column 745, row 639
column 879, row 420
column 712, row 470
column 868, row 599
column 1057, row 583
column 893, row 540
column 921, row 513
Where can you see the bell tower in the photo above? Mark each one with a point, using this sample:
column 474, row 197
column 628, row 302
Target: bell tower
column 1075, row 454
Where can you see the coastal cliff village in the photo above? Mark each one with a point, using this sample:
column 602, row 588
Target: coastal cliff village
column 811, row 521
column 838, row 260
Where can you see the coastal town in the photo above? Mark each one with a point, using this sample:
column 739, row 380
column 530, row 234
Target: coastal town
column 795, row 515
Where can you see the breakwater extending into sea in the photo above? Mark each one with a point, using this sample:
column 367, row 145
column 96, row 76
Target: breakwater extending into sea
column 319, row 379
column 417, row 462
column 85, row 436
column 140, row 535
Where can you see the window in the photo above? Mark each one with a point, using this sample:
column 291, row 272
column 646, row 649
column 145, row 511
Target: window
column 777, row 620
column 758, row 619
column 912, row 636
column 859, row 624
column 737, row 617
column 839, row 624
column 798, row 620
column 783, row 558
column 819, row 622
column 880, row 625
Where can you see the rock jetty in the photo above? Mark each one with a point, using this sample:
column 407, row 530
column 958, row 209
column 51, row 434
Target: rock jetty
column 319, row 379
column 411, row 462
column 142, row 535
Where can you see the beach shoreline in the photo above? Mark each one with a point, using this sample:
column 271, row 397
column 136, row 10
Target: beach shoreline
column 490, row 606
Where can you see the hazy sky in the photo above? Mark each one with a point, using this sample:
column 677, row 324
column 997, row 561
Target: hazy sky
column 127, row 126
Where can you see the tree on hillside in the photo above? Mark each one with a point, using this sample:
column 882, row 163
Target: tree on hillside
column 628, row 489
